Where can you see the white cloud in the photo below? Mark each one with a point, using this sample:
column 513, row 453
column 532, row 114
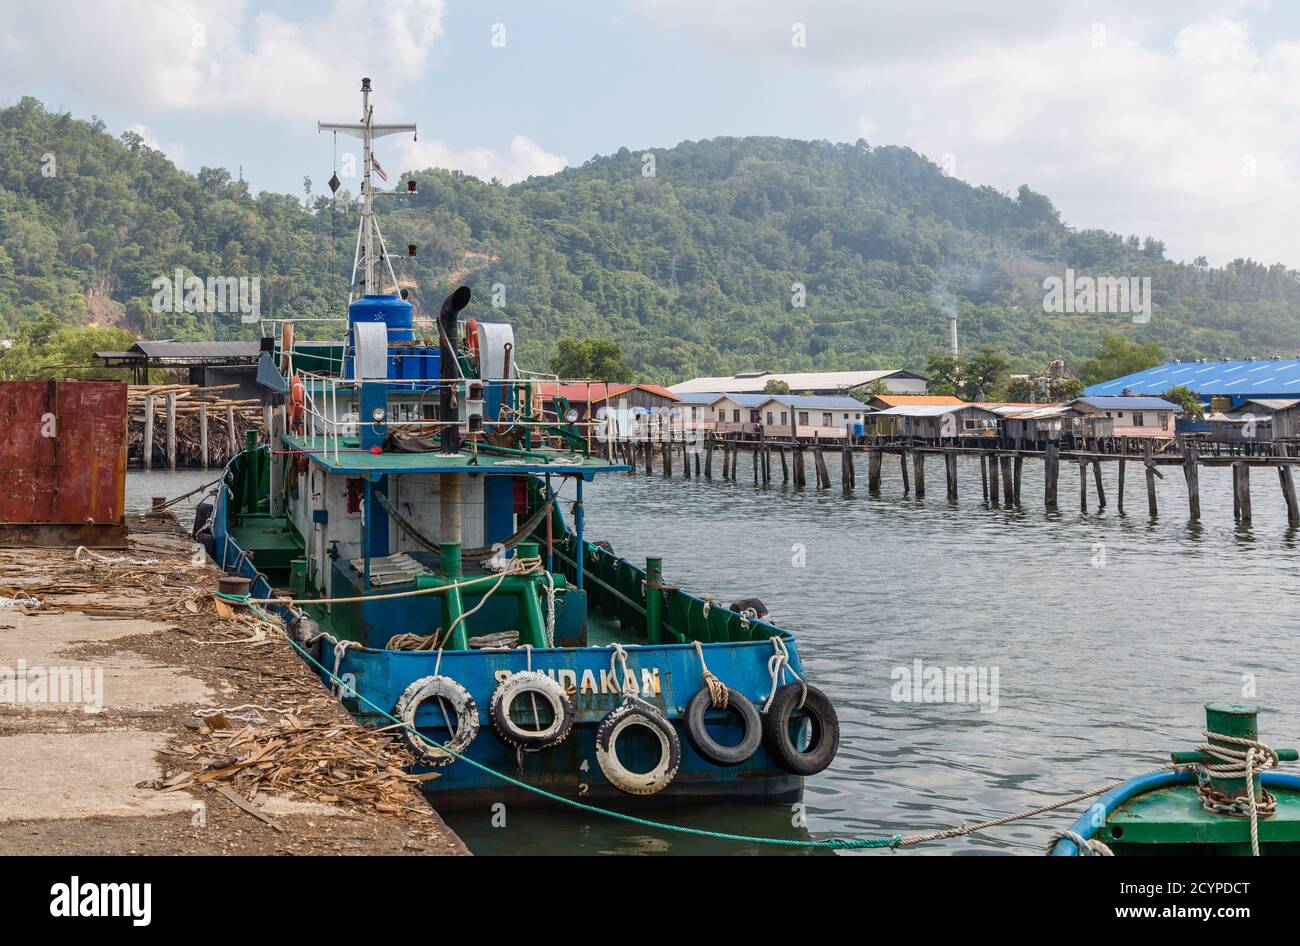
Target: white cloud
column 174, row 150
column 1167, row 118
column 220, row 56
column 524, row 159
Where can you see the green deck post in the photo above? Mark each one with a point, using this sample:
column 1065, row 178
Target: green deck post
column 654, row 601
column 453, row 604
column 532, row 625
column 1233, row 719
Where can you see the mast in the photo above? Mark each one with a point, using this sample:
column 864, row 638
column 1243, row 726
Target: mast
column 369, row 233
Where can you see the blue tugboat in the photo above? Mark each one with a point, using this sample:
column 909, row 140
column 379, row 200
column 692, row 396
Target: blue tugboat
column 404, row 519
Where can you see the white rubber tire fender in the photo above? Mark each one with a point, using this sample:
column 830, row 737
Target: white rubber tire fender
column 629, row 714
column 531, row 683
column 462, row 704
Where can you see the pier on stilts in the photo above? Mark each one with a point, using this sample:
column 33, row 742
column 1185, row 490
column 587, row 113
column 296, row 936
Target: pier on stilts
column 1001, row 466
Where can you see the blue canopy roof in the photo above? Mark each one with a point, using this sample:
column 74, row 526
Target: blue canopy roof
column 1235, row 378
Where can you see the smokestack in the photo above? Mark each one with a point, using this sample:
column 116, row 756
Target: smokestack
column 952, row 331
column 447, row 412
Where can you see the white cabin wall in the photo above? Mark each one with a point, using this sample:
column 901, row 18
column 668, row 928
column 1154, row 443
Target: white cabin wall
column 416, row 497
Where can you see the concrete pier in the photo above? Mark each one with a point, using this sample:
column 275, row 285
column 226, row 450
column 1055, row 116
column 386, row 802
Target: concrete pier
column 130, row 712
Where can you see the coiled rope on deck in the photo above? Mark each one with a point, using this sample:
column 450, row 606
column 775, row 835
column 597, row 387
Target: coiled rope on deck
column 1246, row 762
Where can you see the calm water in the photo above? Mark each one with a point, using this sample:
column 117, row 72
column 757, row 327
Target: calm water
column 1108, row 632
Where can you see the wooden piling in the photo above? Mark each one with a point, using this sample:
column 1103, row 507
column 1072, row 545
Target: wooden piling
column 902, row 462
column 1148, row 454
column 800, row 474
column 785, row 468
column 1096, row 478
column 1288, row 488
column 147, row 455
column 950, row 468
column 203, row 434
column 1083, row 486
column 1192, row 477
column 1241, row 490
column 874, row 459
column 846, row 468
column 918, row 467
column 993, row 479
column 708, row 456
column 1019, row 470
column 823, row 475
column 1051, row 474
column 1008, row 488
column 667, row 448
column 171, row 429
column 1119, row 488
column 230, row 431
column 984, row 478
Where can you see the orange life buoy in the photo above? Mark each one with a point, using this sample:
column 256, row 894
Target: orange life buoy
column 297, row 404
column 471, row 339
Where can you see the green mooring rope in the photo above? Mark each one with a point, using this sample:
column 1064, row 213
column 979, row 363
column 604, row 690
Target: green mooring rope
column 831, row 844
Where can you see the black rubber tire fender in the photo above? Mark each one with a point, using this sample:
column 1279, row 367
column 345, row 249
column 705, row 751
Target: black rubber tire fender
column 466, row 710
column 630, row 713
column 825, row 730
column 202, row 516
column 708, row 748
column 538, row 685
column 209, row 545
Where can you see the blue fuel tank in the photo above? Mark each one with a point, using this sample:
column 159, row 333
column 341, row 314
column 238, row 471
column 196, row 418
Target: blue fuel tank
column 396, row 313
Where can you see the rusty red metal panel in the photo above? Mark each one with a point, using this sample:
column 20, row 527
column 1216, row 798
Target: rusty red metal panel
column 63, row 452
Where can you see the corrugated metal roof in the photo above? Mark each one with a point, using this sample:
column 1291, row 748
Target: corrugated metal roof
column 751, row 383
column 927, row 410
column 829, row 402
column 198, row 349
column 1239, row 378
column 1127, row 403
column 897, row 400
column 600, row 390
column 1272, row 403
column 698, row 397
column 744, row 400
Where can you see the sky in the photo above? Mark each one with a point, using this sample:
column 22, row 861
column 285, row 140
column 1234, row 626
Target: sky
column 1178, row 119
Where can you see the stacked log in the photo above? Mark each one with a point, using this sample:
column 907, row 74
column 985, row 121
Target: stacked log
column 193, row 403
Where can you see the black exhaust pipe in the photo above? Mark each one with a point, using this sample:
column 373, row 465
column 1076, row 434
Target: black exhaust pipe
column 448, row 412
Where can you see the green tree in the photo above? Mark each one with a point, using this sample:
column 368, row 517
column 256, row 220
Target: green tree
column 776, row 386
column 1020, row 390
column 942, row 372
column 1066, row 389
column 981, row 375
column 1184, row 398
column 596, row 359
column 1118, row 356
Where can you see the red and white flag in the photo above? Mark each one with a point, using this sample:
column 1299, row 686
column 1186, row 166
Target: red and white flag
column 378, row 169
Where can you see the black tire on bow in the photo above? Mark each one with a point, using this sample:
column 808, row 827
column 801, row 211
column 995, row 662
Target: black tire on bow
column 538, row 686
column 636, row 713
column 708, row 748
column 202, row 516
column 818, row 712
column 462, row 705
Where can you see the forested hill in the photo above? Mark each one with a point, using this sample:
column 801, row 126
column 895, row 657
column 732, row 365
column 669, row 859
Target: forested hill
column 690, row 268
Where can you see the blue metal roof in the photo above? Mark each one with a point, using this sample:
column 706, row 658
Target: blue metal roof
column 1235, row 378
column 744, row 400
column 699, row 397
